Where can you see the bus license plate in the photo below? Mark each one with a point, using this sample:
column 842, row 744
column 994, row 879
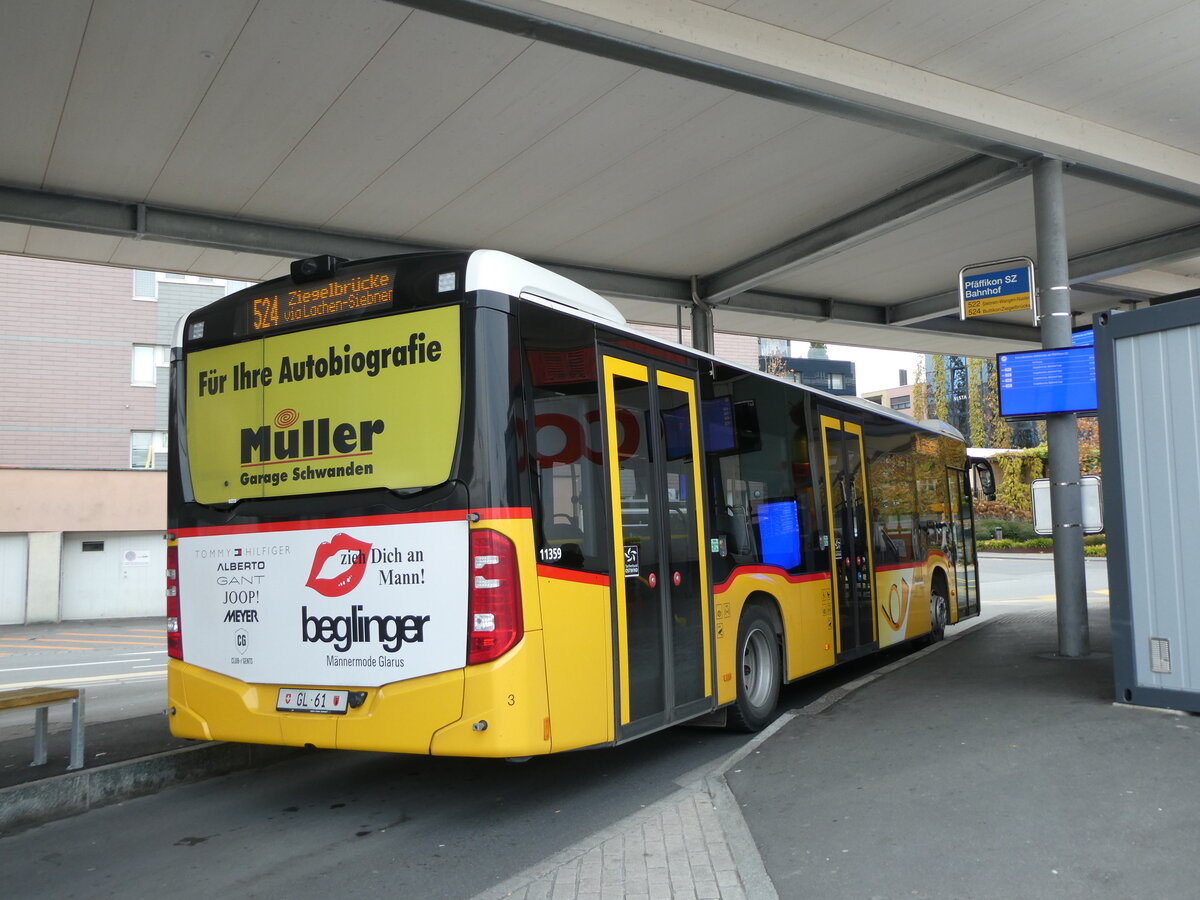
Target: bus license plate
column 312, row 700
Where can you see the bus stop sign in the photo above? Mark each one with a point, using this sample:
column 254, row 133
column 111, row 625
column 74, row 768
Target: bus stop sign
column 1006, row 285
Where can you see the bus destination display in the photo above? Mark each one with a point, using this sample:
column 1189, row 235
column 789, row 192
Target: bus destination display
column 304, row 303
column 1040, row 383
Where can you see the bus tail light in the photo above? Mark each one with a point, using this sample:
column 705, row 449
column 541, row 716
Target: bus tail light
column 174, row 631
column 494, row 620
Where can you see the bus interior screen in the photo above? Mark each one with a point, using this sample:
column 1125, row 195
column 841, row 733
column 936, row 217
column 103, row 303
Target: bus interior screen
column 779, row 533
column 719, row 433
column 716, row 420
column 677, row 431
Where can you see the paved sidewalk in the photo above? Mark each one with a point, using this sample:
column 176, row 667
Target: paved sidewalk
column 692, row 844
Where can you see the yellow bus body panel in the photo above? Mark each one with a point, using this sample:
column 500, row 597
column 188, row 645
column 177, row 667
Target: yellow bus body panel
column 435, row 714
column 399, row 717
column 579, row 661
column 505, row 712
column 806, row 607
column 899, row 601
column 902, row 599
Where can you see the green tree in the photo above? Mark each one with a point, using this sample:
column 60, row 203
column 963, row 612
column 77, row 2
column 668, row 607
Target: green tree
column 1089, row 445
column 776, row 365
column 977, row 424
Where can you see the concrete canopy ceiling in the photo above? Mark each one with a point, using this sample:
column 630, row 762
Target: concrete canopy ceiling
column 819, row 170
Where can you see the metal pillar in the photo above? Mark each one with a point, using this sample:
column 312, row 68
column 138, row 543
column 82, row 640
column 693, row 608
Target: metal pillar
column 702, row 322
column 1062, row 436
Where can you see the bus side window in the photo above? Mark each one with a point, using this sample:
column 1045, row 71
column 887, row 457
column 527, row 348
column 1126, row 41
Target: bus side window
column 569, row 476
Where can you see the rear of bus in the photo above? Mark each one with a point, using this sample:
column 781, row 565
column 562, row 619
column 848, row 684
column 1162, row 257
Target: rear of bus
column 346, row 517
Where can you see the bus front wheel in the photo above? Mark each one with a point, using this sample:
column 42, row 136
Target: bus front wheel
column 758, row 674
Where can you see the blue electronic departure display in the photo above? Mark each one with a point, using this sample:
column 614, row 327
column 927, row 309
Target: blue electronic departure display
column 1040, row 383
column 1083, row 337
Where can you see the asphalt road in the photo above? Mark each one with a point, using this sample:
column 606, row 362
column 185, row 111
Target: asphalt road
column 361, row 824
column 122, row 663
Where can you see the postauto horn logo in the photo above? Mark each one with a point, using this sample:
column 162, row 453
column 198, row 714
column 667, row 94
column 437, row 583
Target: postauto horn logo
column 346, row 558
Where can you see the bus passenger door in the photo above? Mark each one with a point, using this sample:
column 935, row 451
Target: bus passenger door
column 660, row 577
column 962, row 531
column 849, row 528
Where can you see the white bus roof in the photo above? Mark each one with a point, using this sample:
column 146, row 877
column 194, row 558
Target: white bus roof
column 494, row 270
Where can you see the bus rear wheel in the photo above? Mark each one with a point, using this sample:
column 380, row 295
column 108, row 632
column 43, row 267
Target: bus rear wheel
column 758, row 674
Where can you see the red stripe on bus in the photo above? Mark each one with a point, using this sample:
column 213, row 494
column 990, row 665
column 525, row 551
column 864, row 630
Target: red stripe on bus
column 593, row 578
column 453, row 515
column 767, row 570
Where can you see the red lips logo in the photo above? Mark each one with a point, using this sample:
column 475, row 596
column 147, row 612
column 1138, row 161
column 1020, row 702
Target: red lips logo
column 351, row 562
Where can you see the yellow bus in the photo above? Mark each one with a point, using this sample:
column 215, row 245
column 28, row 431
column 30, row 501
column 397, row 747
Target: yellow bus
column 452, row 504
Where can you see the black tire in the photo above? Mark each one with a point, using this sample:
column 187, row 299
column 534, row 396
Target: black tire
column 939, row 612
column 758, row 672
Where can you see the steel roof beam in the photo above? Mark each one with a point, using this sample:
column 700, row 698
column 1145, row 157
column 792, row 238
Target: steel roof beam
column 138, row 221
column 26, row 206
column 910, row 312
column 1182, row 243
column 1167, row 246
column 629, row 285
column 1125, row 183
column 795, row 306
column 176, row 226
column 1006, row 331
column 957, row 184
column 30, row 207
column 843, row 311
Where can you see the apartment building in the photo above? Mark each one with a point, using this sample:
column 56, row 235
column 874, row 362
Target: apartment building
column 84, row 354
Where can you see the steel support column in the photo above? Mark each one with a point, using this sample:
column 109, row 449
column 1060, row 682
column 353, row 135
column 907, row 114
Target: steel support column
column 1066, row 502
column 702, row 322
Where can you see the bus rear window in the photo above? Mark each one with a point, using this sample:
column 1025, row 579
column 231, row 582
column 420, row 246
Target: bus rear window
column 366, row 404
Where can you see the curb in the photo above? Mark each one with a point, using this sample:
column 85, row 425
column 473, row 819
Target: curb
column 38, row 802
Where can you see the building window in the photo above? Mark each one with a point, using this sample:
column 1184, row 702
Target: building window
column 148, row 450
column 145, row 285
column 774, row 347
column 147, row 360
column 837, row 381
column 182, row 278
column 901, row 403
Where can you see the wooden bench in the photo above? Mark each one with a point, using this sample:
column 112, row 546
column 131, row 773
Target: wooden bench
column 41, row 699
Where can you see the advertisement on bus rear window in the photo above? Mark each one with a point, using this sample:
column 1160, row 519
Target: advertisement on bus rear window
column 360, row 603
column 360, row 405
